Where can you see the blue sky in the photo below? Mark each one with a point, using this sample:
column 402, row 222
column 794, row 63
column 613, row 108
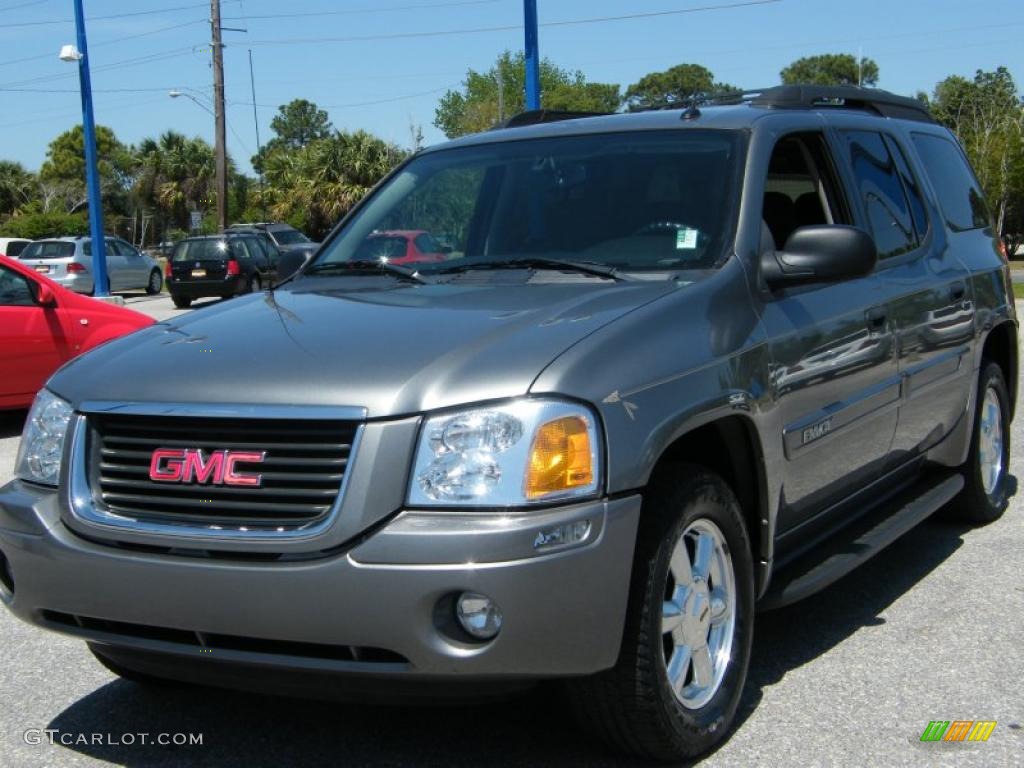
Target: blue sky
column 141, row 50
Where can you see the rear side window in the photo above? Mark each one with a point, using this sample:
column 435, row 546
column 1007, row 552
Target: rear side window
column 15, row 248
column 427, row 244
column 960, row 198
column 57, row 249
column 882, row 193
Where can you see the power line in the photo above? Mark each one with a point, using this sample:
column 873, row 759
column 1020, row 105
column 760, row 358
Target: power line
column 354, row 11
column 351, row 104
column 158, row 56
column 511, row 27
column 22, row 5
column 111, row 41
column 151, row 12
column 95, row 90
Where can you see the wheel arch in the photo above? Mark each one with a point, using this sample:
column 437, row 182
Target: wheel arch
column 731, row 448
column 1000, row 347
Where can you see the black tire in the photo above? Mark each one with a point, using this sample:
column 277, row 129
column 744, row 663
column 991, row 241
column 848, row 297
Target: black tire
column 975, row 504
column 126, row 673
column 632, row 706
column 255, row 285
column 181, row 302
column 156, row 283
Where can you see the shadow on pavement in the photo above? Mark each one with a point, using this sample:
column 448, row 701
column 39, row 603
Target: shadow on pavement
column 531, row 729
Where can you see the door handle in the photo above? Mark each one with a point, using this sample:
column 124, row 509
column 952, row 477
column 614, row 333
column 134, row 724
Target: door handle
column 877, row 317
column 957, row 291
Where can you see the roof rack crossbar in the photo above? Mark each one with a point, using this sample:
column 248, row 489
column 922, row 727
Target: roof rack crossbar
column 538, row 116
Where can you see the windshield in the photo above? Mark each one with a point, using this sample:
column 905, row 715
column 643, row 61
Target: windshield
column 658, row 200
column 289, row 236
column 54, row 249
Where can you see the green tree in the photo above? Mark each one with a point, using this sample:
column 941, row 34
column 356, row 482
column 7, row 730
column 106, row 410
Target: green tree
column 313, row 186
column 175, row 175
column 17, row 186
column 35, row 225
column 676, row 84
column 831, row 69
column 295, row 125
column 477, row 107
column 64, row 168
column 987, row 116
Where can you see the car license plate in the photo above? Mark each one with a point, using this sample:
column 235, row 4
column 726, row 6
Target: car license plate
column 198, row 273
column 43, row 268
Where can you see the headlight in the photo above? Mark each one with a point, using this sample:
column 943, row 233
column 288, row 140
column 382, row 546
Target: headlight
column 523, row 452
column 42, row 442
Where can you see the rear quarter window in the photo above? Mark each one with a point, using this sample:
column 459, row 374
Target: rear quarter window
column 960, row 198
column 14, row 249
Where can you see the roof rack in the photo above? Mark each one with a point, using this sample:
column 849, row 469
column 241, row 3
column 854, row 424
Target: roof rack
column 846, row 96
column 538, row 116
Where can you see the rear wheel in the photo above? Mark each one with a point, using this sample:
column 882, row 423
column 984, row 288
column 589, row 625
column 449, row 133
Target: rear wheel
column 156, row 282
column 255, row 285
column 674, row 691
column 986, row 494
column 181, row 302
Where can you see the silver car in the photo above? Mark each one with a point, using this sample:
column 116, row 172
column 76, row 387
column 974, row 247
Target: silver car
column 68, row 261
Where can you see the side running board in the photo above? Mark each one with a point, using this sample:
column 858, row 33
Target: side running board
column 852, row 546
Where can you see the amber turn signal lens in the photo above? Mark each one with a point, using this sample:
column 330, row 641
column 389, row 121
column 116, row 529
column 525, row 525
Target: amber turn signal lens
column 560, row 458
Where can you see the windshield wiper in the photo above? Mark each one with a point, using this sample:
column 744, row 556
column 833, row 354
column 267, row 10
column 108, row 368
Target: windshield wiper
column 366, row 266
column 539, row 262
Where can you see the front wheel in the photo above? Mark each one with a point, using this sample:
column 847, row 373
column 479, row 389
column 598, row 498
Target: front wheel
column 674, row 690
column 986, row 494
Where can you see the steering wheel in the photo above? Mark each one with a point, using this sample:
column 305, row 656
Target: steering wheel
column 658, row 227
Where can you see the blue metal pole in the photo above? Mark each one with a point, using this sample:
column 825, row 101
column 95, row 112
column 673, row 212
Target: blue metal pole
column 101, row 287
column 532, row 55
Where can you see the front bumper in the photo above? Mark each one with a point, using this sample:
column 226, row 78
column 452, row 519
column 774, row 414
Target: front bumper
column 563, row 610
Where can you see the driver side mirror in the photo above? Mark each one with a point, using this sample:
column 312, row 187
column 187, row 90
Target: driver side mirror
column 820, row 254
column 45, row 296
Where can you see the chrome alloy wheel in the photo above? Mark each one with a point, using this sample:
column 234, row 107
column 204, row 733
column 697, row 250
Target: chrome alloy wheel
column 990, row 442
column 698, row 615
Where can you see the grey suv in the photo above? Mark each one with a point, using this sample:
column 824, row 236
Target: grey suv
column 679, row 366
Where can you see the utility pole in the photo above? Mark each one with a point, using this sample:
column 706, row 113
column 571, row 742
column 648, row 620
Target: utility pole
column 101, row 287
column 532, row 55
column 220, row 133
column 501, row 95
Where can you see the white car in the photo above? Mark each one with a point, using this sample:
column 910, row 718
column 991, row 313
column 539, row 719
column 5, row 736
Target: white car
column 12, row 246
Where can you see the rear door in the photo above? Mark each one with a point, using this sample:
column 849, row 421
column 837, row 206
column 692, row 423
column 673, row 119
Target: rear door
column 116, row 267
column 32, row 339
column 136, row 269
column 931, row 307
column 833, row 364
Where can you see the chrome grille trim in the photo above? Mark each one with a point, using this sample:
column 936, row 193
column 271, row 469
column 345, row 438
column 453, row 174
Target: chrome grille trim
column 85, row 507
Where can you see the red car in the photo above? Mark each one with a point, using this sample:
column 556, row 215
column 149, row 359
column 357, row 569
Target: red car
column 402, row 246
column 42, row 326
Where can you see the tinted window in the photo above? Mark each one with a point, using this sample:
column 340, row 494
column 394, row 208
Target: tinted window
column 53, row 249
column 289, row 236
column 15, row 248
column 960, row 198
column 15, row 290
column 427, row 244
column 200, row 250
column 910, row 187
column 881, row 191
column 654, row 200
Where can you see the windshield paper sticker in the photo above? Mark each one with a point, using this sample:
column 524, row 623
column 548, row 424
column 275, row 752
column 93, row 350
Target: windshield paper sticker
column 686, row 239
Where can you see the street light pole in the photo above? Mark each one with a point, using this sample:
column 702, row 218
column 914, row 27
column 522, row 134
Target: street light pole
column 532, row 55
column 220, row 135
column 101, row 286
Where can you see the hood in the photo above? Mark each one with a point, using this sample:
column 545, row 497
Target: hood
column 392, row 348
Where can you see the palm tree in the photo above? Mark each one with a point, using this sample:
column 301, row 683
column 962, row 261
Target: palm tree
column 176, row 176
column 17, row 186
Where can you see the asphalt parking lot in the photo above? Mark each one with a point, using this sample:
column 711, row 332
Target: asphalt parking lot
column 931, row 629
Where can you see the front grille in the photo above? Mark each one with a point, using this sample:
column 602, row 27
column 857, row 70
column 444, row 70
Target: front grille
column 302, row 471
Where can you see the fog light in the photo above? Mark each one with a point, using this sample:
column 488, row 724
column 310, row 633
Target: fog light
column 478, row 615
column 562, row 535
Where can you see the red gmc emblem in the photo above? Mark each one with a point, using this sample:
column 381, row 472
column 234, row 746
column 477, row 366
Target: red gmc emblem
column 189, row 465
